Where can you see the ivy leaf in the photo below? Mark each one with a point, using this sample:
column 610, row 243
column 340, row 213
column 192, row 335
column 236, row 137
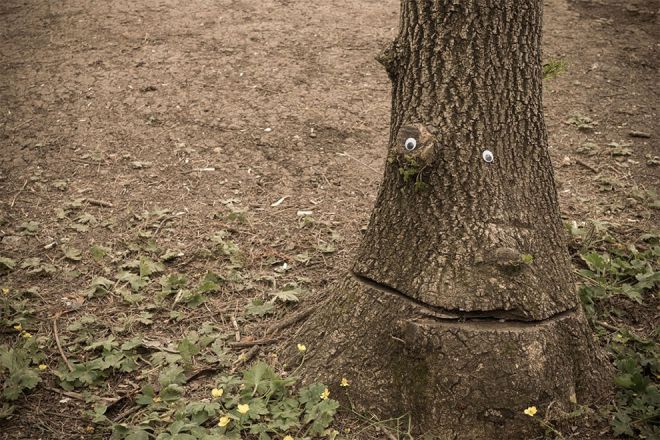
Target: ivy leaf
column 258, row 408
column 311, row 395
column 28, row 228
column 19, row 380
column 147, row 395
column 86, row 219
column 326, row 248
column 106, row 344
column 98, row 252
column 7, row 264
column 171, row 393
column 170, row 255
column 288, row 294
column 134, row 280
column 79, row 227
column 99, row 285
column 36, row 267
column 172, row 375
column 172, row 283
column 286, row 415
column 621, row 424
column 200, row 412
column 321, row 415
column 258, row 307
column 187, row 349
column 210, row 283
column 128, row 296
column 138, row 434
column 145, row 318
column 148, row 267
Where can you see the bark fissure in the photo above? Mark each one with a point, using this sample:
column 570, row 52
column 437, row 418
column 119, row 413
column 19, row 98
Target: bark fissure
column 505, row 318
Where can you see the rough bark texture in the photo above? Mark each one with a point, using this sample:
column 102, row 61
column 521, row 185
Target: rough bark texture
column 461, row 309
column 469, row 72
column 457, row 380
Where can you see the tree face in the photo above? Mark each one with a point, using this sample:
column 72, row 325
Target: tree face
column 467, row 219
column 461, row 309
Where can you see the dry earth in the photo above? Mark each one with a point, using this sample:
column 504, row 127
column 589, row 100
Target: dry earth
column 148, row 126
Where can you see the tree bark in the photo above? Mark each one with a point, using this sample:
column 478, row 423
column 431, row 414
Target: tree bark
column 469, row 72
column 461, row 308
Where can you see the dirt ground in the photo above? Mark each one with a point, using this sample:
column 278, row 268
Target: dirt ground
column 151, row 125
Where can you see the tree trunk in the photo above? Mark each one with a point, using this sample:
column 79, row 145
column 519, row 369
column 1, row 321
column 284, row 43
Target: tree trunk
column 461, row 308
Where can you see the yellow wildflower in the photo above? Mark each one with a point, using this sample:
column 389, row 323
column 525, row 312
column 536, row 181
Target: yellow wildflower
column 302, row 348
column 5, row 291
column 89, row 429
column 243, row 409
column 217, row 393
column 157, row 399
column 26, row 335
column 325, row 394
column 224, row 421
column 18, row 327
column 531, row 411
column 42, row 367
column 288, row 437
column 344, row 382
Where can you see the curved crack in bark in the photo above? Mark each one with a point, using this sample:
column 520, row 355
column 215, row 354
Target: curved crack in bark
column 490, row 318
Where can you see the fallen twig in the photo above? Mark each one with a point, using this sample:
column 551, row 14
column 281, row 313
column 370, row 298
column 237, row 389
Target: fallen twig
column 77, row 396
column 587, row 166
column 243, row 344
column 18, row 193
column 289, row 321
column 129, row 411
column 607, row 326
column 238, row 331
column 273, row 328
column 70, row 394
column 59, row 344
column 102, row 203
column 155, row 345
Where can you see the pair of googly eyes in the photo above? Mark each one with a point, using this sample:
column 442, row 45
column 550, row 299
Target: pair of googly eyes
column 411, row 144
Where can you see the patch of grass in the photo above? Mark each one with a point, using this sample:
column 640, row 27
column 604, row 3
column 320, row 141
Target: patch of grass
column 636, row 410
column 554, row 67
column 21, row 363
column 614, row 272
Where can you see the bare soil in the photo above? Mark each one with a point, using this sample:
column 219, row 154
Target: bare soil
column 176, row 120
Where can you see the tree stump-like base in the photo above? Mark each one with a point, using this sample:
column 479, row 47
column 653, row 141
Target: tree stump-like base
column 467, row 379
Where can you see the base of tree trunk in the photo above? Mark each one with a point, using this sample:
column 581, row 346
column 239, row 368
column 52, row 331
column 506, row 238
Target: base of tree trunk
column 456, row 379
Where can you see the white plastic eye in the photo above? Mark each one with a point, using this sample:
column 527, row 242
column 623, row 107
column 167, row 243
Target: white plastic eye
column 488, row 157
column 410, row 144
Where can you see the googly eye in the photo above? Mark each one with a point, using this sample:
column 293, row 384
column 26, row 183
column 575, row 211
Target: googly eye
column 487, row 156
column 410, row 144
